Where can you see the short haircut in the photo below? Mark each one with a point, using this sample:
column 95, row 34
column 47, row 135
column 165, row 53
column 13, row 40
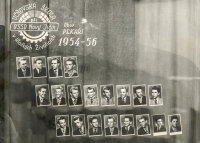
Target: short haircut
column 129, row 117
column 156, row 88
column 59, row 87
column 158, row 119
column 142, row 117
column 72, row 60
column 41, row 88
column 60, row 118
column 92, row 118
column 21, row 59
column 58, row 61
column 37, row 59
column 77, row 118
column 174, row 117
column 89, row 88
column 111, row 117
column 138, row 87
column 123, row 87
column 73, row 88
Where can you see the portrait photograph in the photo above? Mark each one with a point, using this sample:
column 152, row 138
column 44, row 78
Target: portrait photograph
column 39, row 67
column 23, row 67
column 139, row 95
column 42, row 95
column 155, row 95
column 74, row 93
column 91, row 95
column 123, row 95
column 175, row 126
column 70, row 65
column 78, row 125
column 159, row 125
column 55, row 67
column 127, row 125
column 94, row 125
column 107, row 95
column 111, row 125
column 62, row 125
column 143, row 125
column 58, row 95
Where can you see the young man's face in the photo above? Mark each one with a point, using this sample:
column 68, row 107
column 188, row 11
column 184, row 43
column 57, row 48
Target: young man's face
column 38, row 64
column 78, row 123
column 123, row 93
column 22, row 64
column 174, row 123
column 54, row 64
column 142, row 122
column 127, row 122
column 107, row 93
column 95, row 123
column 111, row 123
column 139, row 93
column 155, row 93
column 62, row 123
column 42, row 92
column 75, row 94
column 69, row 65
column 159, row 122
column 58, row 93
column 91, row 92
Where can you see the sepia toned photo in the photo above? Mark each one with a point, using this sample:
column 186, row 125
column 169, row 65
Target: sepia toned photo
column 111, row 125
column 39, row 67
column 91, row 95
column 159, row 125
column 94, row 125
column 62, row 125
column 139, row 95
column 42, row 95
column 58, row 95
column 107, row 95
column 55, row 67
column 123, row 95
column 143, row 125
column 23, row 67
column 74, row 93
column 127, row 124
column 78, row 125
column 155, row 95
column 175, row 126
column 70, row 65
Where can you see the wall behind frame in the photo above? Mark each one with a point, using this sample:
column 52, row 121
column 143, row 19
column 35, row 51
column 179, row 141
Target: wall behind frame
column 139, row 42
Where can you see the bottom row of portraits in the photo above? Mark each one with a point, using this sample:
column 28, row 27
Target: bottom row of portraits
column 111, row 125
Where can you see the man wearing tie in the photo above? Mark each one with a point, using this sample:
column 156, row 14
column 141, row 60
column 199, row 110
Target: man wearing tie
column 55, row 71
column 145, row 128
column 91, row 99
column 159, row 125
column 59, row 99
column 70, row 65
column 23, row 70
column 41, row 100
column 39, row 70
column 107, row 98
column 140, row 99
column 63, row 129
column 95, row 130
column 124, row 99
column 127, row 129
column 155, row 99
column 111, row 129
column 74, row 99
column 78, row 121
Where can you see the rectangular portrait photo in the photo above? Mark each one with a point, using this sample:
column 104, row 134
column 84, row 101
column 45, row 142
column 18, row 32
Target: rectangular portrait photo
column 139, row 95
column 111, row 125
column 123, row 95
column 91, row 95
column 62, row 125
column 143, row 125
column 23, row 67
column 70, row 65
column 159, row 125
column 58, row 95
column 94, row 125
column 78, row 125
column 55, row 67
column 74, row 93
column 127, row 125
column 175, row 126
column 39, row 67
column 155, row 95
column 42, row 95
column 107, row 95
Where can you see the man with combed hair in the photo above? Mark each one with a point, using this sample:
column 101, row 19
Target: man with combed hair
column 174, row 124
column 41, row 100
column 156, row 99
column 39, row 70
column 95, row 130
column 59, row 99
column 78, row 121
column 91, row 99
column 140, row 99
column 145, row 128
column 107, row 98
column 111, row 129
column 74, row 96
column 55, row 71
column 124, row 99
column 159, row 125
column 23, row 70
column 70, row 65
column 63, row 128
column 127, row 128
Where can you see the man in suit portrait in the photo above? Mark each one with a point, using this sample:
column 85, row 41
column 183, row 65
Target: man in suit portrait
column 74, row 99
column 95, row 130
column 127, row 128
column 63, row 128
column 78, row 121
column 111, row 129
column 91, row 99
column 23, row 70
column 41, row 100
column 155, row 99
column 140, row 99
column 124, row 98
column 144, row 126
column 39, row 70
column 174, row 124
column 107, row 98
column 55, row 71
column 159, row 125
column 70, row 65
column 59, row 99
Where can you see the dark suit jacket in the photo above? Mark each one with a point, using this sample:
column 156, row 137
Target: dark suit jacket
column 20, row 73
column 162, row 129
column 115, row 132
column 137, row 102
column 142, row 132
column 52, row 73
column 42, row 73
column 121, row 102
column 67, row 75
column 99, row 132
column 63, row 102
column 178, row 129
column 79, row 101
column 131, row 131
column 45, row 101
column 59, row 132
column 77, row 132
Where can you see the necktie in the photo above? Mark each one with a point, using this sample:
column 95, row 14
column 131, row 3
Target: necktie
column 175, row 130
column 63, row 131
column 126, row 128
column 108, row 100
column 41, row 100
column 75, row 101
column 56, row 73
column 124, row 99
column 156, row 101
column 95, row 131
column 58, row 101
column 91, row 101
column 24, row 73
column 146, row 131
column 39, row 70
column 81, row 131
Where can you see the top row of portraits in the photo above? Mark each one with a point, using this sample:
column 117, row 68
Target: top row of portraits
column 39, row 67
